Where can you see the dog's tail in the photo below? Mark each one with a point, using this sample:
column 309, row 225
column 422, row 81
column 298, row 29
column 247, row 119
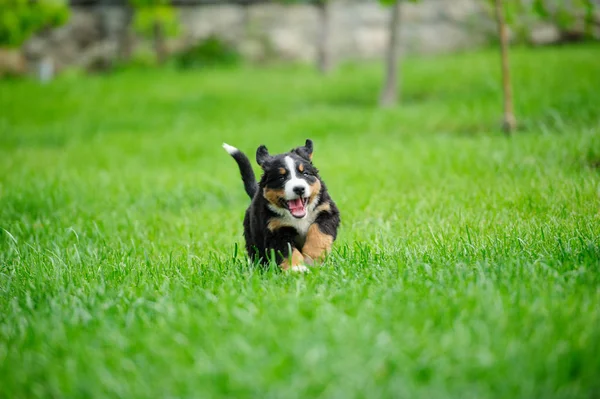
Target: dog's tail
column 245, row 169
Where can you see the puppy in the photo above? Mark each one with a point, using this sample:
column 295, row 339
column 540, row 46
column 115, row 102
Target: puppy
column 291, row 214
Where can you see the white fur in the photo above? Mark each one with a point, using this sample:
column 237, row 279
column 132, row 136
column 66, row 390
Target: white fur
column 230, row 149
column 294, row 181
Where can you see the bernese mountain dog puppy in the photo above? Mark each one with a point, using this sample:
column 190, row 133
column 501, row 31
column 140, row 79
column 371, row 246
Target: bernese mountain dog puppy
column 291, row 215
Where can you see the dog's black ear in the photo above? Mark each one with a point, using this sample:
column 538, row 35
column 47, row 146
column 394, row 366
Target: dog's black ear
column 306, row 151
column 309, row 147
column 262, row 155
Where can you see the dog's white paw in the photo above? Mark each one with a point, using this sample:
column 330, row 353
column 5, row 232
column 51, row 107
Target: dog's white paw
column 299, row 269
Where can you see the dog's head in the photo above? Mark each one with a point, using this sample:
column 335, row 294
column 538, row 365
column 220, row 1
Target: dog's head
column 290, row 182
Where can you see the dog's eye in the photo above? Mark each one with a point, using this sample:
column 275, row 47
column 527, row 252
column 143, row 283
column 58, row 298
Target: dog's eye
column 305, row 173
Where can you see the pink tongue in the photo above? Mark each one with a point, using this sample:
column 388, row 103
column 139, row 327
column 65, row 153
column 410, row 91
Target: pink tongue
column 297, row 207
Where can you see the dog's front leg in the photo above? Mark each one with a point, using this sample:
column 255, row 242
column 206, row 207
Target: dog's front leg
column 287, row 255
column 317, row 245
column 294, row 261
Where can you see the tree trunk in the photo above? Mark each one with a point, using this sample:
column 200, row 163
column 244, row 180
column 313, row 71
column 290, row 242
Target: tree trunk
column 159, row 42
column 323, row 51
column 389, row 94
column 126, row 39
column 246, row 16
column 509, row 122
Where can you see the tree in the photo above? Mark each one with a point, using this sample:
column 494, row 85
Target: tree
column 126, row 39
column 389, row 93
column 324, row 59
column 509, row 122
column 156, row 19
column 522, row 15
column 20, row 19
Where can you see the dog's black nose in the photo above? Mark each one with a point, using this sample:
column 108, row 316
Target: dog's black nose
column 299, row 190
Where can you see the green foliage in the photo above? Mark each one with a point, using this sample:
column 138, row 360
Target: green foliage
column 390, row 2
column 141, row 58
column 210, row 52
column 565, row 14
column 466, row 265
column 19, row 19
column 540, row 8
column 148, row 13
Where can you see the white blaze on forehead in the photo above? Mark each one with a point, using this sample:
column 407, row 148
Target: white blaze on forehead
column 294, row 181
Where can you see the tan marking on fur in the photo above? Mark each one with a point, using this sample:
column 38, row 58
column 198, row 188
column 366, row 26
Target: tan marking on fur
column 315, row 189
column 274, row 196
column 274, row 224
column 324, row 207
column 297, row 259
column 318, row 244
column 301, row 168
column 282, row 171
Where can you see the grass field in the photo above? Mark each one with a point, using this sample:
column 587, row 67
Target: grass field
column 467, row 266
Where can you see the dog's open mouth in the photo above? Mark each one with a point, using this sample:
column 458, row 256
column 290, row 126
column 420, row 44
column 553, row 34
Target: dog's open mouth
column 297, row 207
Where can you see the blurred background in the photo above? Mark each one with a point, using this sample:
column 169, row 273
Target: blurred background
column 47, row 37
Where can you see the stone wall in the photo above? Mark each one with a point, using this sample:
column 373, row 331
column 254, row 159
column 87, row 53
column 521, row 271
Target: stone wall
column 93, row 37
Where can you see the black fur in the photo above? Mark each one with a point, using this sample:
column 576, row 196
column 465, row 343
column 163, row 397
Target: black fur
column 247, row 173
column 260, row 240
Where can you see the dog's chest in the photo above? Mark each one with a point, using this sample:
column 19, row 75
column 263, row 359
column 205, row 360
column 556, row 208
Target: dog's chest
column 300, row 225
column 302, row 229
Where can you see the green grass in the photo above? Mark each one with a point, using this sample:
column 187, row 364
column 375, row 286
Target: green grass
column 467, row 265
